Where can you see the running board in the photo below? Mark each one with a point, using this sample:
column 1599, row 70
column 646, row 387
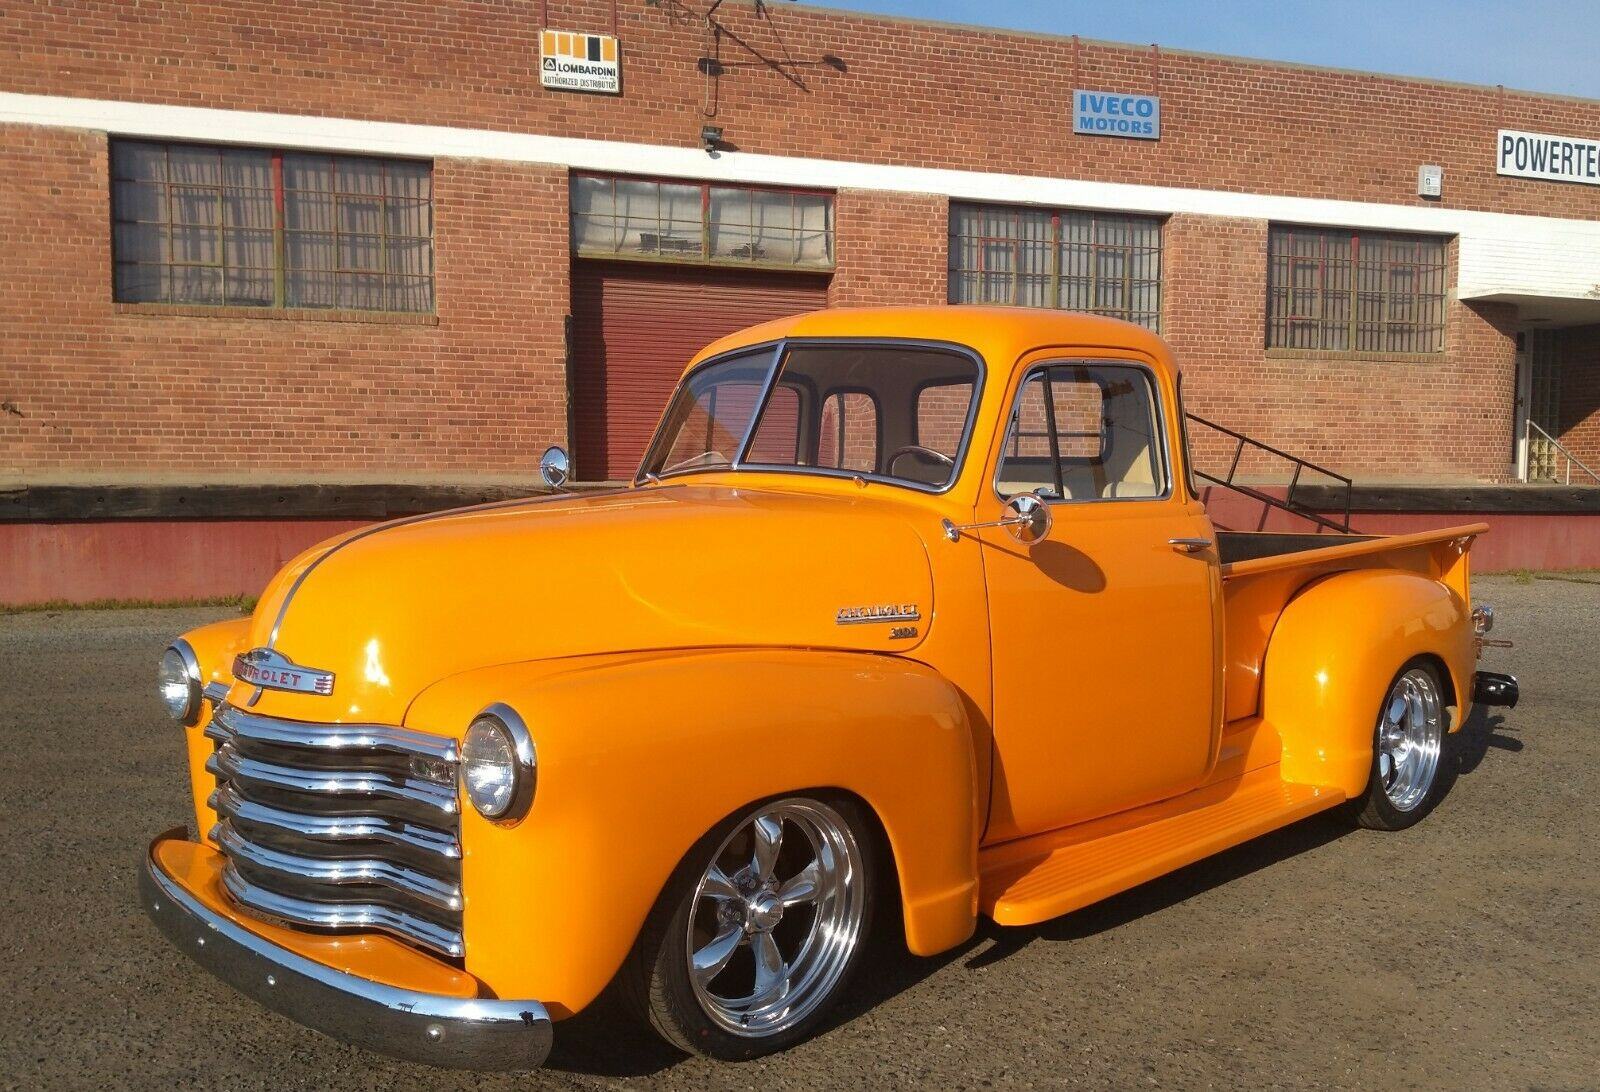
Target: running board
column 1041, row 877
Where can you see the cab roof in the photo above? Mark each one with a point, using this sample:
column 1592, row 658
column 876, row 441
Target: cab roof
column 999, row 334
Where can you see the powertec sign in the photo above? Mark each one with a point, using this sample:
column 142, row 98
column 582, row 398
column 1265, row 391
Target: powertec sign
column 579, row 62
column 1101, row 113
column 1553, row 158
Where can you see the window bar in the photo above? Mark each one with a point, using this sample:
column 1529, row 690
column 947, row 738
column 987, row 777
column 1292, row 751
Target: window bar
column 280, row 277
column 222, row 233
column 166, row 190
column 1053, row 279
column 705, row 220
column 1050, row 431
column 383, row 234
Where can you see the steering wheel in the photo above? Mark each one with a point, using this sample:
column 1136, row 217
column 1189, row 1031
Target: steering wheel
column 918, row 449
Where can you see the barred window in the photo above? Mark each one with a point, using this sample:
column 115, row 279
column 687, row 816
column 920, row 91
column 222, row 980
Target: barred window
column 250, row 227
column 616, row 217
column 1102, row 263
column 1355, row 291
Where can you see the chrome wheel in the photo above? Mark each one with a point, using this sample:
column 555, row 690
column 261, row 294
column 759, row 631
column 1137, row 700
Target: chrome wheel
column 1410, row 736
column 776, row 917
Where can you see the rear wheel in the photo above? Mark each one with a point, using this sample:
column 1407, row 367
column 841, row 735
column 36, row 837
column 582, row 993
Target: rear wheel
column 759, row 929
column 1408, row 745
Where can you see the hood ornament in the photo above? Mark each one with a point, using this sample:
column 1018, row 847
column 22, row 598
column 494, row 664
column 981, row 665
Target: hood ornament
column 266, row 668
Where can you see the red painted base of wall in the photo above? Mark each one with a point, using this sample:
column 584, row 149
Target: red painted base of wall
column 1515, row 540
column 82, row 561
column 149, row 559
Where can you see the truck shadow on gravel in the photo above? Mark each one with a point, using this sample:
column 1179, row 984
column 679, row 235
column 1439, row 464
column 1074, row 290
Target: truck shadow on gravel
column 605, row 1040
column 1482, row 733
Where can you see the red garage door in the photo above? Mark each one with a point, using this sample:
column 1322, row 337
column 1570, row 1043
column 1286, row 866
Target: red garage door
column 635, row 326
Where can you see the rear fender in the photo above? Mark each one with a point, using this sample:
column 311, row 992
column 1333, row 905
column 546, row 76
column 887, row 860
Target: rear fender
column 639, row 756
column 1333, row 653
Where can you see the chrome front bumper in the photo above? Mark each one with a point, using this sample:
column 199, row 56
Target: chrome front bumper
column 466, row 1033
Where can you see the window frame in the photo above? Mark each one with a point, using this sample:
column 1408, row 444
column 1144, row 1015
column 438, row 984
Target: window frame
column 1353, row 293
column 775, row 368
column 1053, row 276
column 279, row 231
column 703, row 257
column 1157, row 405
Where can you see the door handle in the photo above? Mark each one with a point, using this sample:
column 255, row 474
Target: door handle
column 1189, row 545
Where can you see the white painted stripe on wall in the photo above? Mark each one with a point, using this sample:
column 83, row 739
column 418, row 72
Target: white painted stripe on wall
column 1500, row 252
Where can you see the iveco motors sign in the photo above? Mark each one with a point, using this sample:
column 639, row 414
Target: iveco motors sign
column 1101, row 113
column 1554, row 158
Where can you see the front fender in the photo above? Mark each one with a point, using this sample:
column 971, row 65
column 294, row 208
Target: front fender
column 215, row 646
column 1332, row 655
column 638, row 756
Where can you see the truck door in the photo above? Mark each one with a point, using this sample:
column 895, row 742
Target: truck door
column 1106, row 633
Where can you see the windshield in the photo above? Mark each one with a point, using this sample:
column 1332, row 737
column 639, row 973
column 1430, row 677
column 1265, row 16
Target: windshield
column 896, row 412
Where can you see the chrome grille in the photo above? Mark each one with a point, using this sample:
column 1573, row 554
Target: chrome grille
column 338, row 826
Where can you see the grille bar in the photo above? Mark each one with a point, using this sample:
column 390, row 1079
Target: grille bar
column 334, row 829
column 339, row 827
column 311, row 872
column 291, row 910
column 234, row 723
column 342, row 784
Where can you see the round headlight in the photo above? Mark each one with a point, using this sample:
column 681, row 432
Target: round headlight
column 497, row 765
column 178, row 682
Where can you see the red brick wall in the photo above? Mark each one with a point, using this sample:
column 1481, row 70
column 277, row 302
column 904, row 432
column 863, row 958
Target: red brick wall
column 901, row 256
column 1578, row 356
column 1410, row 417
column 913, row 94
column 102, row 393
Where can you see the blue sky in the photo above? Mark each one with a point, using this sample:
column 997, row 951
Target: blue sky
column 1535, row 45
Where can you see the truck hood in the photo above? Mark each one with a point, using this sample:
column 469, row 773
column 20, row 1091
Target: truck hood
column 393, row 608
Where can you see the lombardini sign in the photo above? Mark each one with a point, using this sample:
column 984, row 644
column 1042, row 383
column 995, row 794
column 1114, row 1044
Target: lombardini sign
column 580, row 62
column 1554, row 158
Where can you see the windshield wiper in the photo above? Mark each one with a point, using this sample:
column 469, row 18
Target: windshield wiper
column 720, row 461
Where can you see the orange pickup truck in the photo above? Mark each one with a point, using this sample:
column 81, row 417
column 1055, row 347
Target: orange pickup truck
column 910, row 616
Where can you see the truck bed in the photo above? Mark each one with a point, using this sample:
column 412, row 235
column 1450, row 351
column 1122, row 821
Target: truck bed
column 1262, row 571
column 1248, row 545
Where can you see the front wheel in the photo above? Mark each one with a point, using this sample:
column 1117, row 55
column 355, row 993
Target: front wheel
column 758, row 930
column 1407, row 747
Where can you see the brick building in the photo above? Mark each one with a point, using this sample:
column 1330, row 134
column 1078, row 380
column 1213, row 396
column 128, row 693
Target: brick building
column 274, row 267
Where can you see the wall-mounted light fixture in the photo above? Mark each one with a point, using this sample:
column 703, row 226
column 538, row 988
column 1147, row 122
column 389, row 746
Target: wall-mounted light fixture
column 710, row 136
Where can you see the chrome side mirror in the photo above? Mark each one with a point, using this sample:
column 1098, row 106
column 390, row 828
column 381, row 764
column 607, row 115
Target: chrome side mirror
column 554, row 466
column 1028, row 518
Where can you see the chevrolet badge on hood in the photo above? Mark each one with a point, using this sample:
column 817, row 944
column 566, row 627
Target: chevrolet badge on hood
column 265, row 667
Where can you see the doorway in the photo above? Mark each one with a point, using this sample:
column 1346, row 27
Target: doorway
column 1538, row 408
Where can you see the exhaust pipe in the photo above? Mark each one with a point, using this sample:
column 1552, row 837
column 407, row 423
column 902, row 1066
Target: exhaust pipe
column 1493, row 688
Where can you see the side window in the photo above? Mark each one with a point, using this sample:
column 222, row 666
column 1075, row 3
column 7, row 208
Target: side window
column 847, row 433
column 1084, row 432
column 942, row 416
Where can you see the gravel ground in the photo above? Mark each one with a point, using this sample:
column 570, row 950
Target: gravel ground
column 1462, row 953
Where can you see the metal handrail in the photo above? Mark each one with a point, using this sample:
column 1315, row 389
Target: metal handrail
column 1572, row 460
column 1287, row 502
